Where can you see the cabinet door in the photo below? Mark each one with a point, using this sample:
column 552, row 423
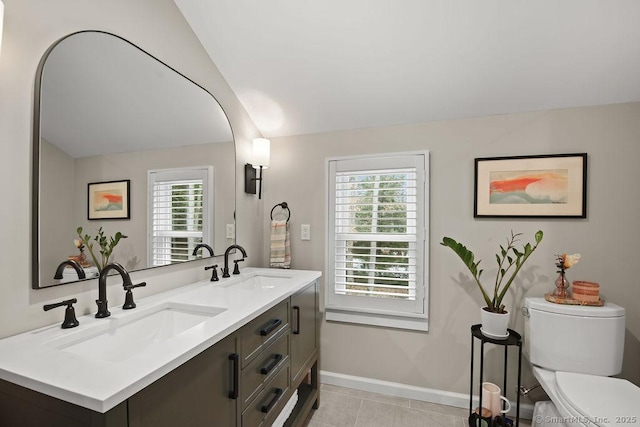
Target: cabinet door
column 304, row 330
column 198, row 393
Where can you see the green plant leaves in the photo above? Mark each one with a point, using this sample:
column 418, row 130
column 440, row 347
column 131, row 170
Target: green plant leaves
column 106, row 244
column 500, row 289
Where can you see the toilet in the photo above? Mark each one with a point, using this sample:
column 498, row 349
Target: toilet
column 573, row 350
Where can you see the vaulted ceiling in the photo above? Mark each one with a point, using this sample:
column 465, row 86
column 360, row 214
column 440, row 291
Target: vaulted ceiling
column 307, row 66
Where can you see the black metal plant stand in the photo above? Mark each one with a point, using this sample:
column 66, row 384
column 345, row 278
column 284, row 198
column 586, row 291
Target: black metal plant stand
column 514, row 338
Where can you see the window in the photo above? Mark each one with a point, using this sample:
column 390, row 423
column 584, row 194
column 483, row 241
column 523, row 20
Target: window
column 180, row 213
column 377, row 240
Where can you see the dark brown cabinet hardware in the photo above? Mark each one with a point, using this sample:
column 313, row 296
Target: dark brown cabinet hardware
column 276, row 396
column 272, row 326
column 270, row 366
column 296, row 331
column 235, row 372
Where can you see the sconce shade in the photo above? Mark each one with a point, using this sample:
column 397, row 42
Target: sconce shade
column 261, row 153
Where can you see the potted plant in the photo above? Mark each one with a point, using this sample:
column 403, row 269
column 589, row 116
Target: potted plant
column 495, row 318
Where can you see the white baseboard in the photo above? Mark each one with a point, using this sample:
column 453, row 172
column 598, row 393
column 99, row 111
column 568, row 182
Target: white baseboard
column 441, row 397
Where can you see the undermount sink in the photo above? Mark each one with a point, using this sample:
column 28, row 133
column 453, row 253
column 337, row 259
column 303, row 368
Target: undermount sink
column 259, row 282
column 123, row 338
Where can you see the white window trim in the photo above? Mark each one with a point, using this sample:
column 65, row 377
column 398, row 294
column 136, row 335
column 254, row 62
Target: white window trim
column 371, row 317
column 208, row 202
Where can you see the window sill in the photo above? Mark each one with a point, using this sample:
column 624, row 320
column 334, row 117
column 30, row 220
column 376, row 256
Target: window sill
column 375, row 319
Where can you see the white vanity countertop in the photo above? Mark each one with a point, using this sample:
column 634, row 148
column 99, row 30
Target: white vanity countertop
column 37, row 359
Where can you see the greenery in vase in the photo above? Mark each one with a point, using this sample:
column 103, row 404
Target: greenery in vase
column 510, row 260
column 106, row 244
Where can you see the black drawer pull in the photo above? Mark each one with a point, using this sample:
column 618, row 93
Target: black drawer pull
column 276, row 396
column 297, row 330
column 266, row 369
column 235, row 373
column 266, row 330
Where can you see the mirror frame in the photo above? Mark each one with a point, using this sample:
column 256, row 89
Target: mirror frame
column 35, row 159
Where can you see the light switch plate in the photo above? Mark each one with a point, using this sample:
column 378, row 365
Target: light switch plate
column 231, row 232
column 305, row 232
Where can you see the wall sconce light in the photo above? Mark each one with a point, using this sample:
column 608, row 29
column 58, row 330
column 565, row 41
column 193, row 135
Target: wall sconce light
column 260, row 157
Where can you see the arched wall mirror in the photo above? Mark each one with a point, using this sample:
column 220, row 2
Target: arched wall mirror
column 125, row 144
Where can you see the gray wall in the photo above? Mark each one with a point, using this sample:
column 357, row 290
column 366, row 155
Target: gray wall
column 57, row 197
column 607, row 239
column 30, row 28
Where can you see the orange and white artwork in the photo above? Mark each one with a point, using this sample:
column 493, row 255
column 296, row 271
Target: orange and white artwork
column 108, row 200
column 529, row 187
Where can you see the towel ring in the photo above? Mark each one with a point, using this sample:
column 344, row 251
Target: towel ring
column 283, row 205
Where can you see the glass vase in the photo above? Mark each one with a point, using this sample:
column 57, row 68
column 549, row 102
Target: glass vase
column 562, row 286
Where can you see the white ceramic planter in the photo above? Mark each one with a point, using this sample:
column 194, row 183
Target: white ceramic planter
column 494, row 325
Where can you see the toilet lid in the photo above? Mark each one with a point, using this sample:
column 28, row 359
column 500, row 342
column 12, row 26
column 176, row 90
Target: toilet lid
column 603, row 401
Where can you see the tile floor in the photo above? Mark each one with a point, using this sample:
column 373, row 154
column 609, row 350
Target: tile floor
column 345, row 407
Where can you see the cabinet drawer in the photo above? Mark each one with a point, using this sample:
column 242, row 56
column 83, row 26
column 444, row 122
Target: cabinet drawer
column 270, row 400
column 263, row 368
column 262, row 330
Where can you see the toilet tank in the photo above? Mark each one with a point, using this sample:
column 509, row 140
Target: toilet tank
column 574, row 338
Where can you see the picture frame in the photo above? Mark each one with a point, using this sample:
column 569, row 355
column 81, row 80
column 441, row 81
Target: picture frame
column 540, row 186
column 108, row 200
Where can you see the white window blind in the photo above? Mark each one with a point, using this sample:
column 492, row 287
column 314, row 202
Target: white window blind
column 377, row 229
column 180, row 208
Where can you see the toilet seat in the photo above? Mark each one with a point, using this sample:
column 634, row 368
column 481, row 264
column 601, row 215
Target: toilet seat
column 599, row 401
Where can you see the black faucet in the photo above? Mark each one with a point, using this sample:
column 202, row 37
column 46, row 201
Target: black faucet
column 73, row 264
column 102, row 287
column 214, row 273
column 128, row 298
column 202, row 245
column 70, row 320
column 225, row 270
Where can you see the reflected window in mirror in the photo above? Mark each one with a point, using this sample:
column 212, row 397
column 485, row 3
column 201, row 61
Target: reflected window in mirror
column 180, row 213
column 106, row 110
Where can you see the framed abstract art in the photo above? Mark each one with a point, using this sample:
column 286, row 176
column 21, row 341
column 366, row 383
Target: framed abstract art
column 108, row 200
column 551, row 186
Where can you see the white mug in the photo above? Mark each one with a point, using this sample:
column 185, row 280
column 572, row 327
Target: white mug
column 492, row 399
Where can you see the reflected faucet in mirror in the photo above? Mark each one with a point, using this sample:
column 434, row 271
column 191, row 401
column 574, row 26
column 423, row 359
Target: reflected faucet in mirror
column 77, row 267
column 200, row 246
column 103, row 309
column 225, row 270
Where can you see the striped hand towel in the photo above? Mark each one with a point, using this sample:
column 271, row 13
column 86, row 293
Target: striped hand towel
column 280, row 244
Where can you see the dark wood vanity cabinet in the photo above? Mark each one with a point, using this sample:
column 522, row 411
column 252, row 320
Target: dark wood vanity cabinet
column 265, row 384
column 304, row 354
column 304, row 331
column 244, row 380
column 198, row 393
